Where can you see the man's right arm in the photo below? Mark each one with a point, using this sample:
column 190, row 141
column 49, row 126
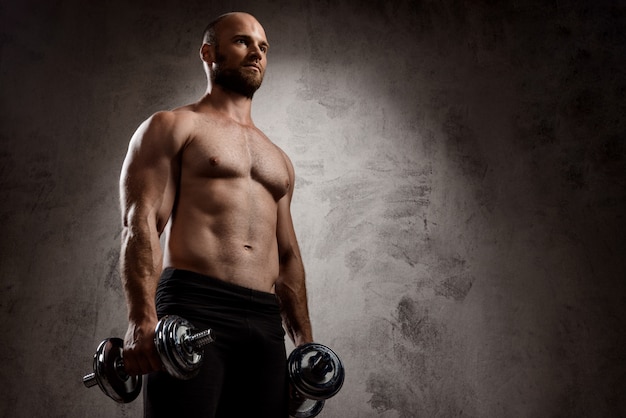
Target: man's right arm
column 147, row 192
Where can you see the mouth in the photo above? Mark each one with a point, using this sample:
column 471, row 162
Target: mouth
column 253, row 66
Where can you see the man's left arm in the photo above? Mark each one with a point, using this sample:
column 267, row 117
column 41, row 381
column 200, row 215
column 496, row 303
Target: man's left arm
column 291, row 284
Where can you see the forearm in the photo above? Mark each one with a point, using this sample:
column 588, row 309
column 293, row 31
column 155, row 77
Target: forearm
column 291, row 291
column 140, row 269
column 141, row 263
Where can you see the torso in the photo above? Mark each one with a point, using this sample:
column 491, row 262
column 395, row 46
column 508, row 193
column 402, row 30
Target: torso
column 223, row 222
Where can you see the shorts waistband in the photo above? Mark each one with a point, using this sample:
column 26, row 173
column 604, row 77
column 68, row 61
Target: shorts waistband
column 187, row 292
column 213, row 282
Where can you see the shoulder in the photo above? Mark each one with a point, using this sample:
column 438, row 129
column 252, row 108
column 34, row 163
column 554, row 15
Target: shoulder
column 282, row 153
column 169, row 129
column 170, row 121
column 287, row 161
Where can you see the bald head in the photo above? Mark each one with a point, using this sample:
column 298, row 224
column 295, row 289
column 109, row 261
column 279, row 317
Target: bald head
column 210, row 35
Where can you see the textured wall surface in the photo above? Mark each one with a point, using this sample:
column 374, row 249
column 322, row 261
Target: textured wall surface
column 460, row 193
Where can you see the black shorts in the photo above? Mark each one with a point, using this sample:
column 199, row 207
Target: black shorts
column 244, row 370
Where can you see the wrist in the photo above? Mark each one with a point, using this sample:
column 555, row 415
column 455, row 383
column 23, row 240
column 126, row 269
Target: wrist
column 300, row 339
column 142, row 315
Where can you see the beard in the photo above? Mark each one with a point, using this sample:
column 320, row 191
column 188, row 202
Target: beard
column 239, row 80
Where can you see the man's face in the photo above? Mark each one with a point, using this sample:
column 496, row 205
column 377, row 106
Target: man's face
column 240, row 54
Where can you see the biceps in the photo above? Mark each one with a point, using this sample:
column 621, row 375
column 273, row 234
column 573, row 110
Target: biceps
column 147, row 190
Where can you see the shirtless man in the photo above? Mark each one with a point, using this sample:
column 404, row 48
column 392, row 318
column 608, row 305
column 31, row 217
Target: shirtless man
column 220, row 191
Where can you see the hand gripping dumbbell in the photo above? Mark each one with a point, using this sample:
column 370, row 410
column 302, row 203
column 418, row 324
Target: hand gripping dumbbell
column 315, row 374
column 179, row 346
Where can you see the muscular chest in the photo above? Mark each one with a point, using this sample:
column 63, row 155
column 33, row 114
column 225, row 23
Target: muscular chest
column 232, row 151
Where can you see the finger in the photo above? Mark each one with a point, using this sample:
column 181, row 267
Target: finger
column 144, row 365
column 147, row 360
column 155, row 362
column 130, row 363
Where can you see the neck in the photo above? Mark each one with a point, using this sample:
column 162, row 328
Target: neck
column 236, row 106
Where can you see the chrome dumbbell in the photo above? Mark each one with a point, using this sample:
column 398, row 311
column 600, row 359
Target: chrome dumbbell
column 179, row 346
column 109, row 373
column 315, row 374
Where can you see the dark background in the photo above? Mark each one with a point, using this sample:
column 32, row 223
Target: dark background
column 459, row 201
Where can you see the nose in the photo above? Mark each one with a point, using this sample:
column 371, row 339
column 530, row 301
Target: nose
column 255, row 52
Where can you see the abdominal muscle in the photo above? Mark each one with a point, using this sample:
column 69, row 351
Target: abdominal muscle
column 226, row 229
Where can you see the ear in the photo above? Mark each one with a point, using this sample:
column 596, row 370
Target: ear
column 207, row 53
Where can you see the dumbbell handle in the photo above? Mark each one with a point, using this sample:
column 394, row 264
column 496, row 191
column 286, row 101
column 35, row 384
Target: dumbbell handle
column 199, row 340
column 321, row 364
column 90, row 380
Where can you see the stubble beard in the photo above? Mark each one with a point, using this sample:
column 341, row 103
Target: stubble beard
column 239, row 80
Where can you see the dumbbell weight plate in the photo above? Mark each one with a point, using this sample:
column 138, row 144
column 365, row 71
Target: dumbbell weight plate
column 179, row 359
column 313, row 383
column 300, row 407
column 109, row 372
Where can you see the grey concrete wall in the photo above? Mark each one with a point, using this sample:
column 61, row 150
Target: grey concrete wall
column 460, row 193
